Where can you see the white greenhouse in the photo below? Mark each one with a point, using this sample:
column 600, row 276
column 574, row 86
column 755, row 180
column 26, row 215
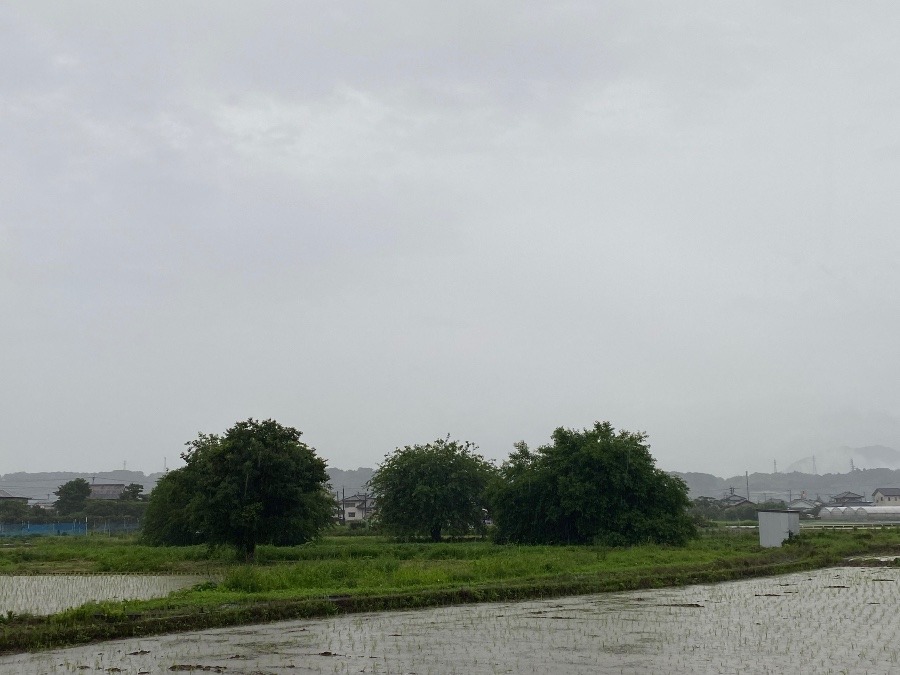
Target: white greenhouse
column 859, row 514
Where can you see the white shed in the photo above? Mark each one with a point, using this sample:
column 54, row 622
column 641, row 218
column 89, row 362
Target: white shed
column 777, row 526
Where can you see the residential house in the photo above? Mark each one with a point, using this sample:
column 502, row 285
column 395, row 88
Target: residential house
column 357, row 508
column 886, row 496
column 734, row 500
column 7, row 497
column 802, row 505
column 107, row 490
column 848, row 499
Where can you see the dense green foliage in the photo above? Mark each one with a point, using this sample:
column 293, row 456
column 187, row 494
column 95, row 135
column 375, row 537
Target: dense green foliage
column 72, row 496
column 132, row 492
column 169, row 519
column 14, row 510
column 432, row 488
column 258, row 483
column 591, row 486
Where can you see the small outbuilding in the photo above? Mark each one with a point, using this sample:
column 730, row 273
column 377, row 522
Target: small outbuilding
column 107, row 491
column 775, row 527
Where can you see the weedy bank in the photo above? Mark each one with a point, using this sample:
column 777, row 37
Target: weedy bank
column 352, row 574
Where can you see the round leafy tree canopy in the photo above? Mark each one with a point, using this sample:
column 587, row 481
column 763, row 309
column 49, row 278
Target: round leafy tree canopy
column 256, row 484
column 433, row 488
column 596, row 485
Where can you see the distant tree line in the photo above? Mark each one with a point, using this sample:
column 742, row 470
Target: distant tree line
column 73, row 502
column 706, row 511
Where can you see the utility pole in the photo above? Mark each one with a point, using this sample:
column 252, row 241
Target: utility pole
column 774, row 466
column 747, row 478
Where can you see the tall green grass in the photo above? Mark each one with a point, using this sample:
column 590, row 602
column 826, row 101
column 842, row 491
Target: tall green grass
column 98, row 554
column 331, row 568
column 335, row 563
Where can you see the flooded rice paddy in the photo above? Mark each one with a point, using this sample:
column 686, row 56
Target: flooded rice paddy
column 842, row 620
column 48, row 594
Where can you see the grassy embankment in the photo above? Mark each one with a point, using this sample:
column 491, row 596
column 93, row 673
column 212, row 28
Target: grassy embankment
column 352, row 574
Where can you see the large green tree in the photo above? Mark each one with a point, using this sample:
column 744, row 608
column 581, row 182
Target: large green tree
column 596, row 485
column 256, row 484
column 169, row 519
column 72, row 496
column 132, row 492
column 12, row 510
column 432, row 488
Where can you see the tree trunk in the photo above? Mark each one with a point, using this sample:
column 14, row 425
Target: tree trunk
column 249, row 551
column 435, row 534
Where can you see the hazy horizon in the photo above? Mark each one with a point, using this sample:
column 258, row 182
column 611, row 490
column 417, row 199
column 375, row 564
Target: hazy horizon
column 382, row 224
column 828, row 461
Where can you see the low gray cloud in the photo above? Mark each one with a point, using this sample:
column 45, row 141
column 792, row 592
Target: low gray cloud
column 385, row 223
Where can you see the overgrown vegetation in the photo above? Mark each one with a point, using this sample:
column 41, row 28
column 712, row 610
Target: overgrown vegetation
column 346, row 574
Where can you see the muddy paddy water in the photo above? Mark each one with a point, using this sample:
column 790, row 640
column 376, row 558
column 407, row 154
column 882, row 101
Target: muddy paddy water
column 48, row 594
column 842, row 620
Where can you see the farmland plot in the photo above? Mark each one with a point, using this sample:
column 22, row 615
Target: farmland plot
column 48, row 594
column 838, row 620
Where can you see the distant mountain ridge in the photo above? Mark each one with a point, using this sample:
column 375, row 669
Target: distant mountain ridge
column 839, row 460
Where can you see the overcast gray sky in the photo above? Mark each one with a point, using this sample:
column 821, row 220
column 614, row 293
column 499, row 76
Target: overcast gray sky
column 385, row 222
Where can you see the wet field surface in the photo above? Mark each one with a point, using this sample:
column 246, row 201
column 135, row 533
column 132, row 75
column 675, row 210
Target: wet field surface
column 51, row 593
column 839, row 620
